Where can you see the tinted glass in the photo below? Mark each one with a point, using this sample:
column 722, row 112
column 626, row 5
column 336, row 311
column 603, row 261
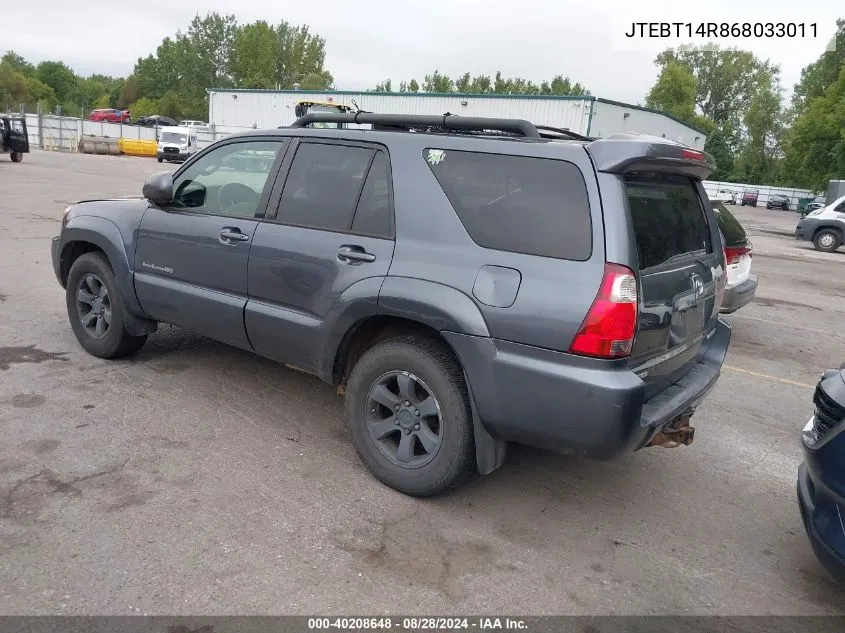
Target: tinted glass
column 228, row 180
column 668, row 218
column 323, row 185
column 527, row 205
column 730, row 227
column 372, row 217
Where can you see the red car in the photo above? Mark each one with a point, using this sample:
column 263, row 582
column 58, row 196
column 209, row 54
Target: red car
column 110, row 115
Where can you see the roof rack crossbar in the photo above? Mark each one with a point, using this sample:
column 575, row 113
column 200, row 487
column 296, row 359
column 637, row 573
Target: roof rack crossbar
column 445, row 121
column 562, row 132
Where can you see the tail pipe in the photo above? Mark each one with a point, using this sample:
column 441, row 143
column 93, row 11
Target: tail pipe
column 678, row 433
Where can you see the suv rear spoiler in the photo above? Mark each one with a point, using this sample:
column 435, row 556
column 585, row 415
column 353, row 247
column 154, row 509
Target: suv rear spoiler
column 623, row 153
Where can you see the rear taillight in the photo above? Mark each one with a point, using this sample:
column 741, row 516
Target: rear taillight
column 609, row 328
column 734, row 254
column 692, row 154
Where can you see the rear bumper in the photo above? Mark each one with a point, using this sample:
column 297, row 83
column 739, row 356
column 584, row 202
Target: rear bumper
column 738, row 296
column 571, row 404
column 822, row 513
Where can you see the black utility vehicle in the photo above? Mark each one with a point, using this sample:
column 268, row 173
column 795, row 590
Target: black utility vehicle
column 14, row 139
column 468, row 282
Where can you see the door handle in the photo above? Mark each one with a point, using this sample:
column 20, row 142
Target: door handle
column 232, row 235
column 354, row 254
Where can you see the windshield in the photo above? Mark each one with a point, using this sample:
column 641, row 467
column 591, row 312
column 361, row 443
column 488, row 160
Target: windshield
column 174, row 137
column 324, row 108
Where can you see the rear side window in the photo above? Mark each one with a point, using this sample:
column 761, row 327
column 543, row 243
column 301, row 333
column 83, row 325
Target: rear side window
column 373, row 217
column 668, row 217
column 323, row 186
column 535, row 206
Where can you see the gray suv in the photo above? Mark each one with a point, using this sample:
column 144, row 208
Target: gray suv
column 466, row 282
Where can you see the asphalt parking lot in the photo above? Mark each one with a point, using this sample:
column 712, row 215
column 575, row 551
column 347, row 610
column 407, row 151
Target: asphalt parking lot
column 197, row 479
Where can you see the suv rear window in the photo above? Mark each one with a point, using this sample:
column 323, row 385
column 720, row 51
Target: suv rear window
column 668, row 218
column 535, row 206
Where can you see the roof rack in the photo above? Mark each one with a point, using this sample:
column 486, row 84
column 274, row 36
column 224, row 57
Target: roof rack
column 562, row 131
column 447, row 122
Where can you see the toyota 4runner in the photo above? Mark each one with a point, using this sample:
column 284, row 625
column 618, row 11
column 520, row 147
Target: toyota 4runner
column 466, row 282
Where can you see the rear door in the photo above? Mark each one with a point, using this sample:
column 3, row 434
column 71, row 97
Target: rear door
column 332, row 230
column 681, row 268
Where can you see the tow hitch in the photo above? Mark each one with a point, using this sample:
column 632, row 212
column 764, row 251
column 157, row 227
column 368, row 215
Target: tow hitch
column 678, row 433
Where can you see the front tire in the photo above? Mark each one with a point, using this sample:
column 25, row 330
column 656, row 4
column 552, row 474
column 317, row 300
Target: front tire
column 408, row 409
column 96, row 310
column 160, row 159
column 16, row 157
column 827, row 241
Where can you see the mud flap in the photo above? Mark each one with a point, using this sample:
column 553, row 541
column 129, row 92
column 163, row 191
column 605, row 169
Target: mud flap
column 490, row 453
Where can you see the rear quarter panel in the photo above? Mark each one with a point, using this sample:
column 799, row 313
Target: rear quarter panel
column 553, row 295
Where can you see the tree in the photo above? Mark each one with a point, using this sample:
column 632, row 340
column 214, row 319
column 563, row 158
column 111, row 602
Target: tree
column 17, row 88
column 40, row 93
column 170, row 105
column 18, row 64
column 13, row 87
column 822, row 73
column 144, row 107
column 674, row 91
column 484, row 84
column 255, row 49
column 726, row 79
column 316, row 81
column 210, row 41
column 59, row 77
column 759, row 159
column 815, row 150
column 384, row 86
column 130, row 92
column 300, row 53
column 436, row 82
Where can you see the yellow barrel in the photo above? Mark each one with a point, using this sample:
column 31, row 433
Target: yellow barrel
column 137, row 147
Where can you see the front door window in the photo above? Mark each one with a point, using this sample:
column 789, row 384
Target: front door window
column 227, row 181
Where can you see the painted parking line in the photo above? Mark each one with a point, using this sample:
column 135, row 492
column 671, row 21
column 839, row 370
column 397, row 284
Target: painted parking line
column 784, row 381
column 789, row 325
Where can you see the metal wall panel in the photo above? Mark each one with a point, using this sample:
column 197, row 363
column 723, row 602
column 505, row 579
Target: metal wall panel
column 239, row 110
column 610, row 118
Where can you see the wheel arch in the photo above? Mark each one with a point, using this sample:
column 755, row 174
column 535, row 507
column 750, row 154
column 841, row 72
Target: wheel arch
column 830, row 227
column 412, row 317
column 85, row 234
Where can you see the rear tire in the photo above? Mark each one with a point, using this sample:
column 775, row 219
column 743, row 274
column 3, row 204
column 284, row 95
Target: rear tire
column 96, row 311
column 827, row 241
column 16, row 157
column 160, row 159
column 425, row 447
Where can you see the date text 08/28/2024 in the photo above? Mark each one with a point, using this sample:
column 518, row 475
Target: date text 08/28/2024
column 723, row 29
column 414, row 624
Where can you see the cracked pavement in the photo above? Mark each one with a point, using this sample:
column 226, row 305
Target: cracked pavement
column 198, row 479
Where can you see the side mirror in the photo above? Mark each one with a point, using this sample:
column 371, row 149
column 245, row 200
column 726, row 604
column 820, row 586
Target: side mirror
column 158, row 188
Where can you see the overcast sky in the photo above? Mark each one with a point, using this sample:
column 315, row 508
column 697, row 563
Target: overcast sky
column 370, row 40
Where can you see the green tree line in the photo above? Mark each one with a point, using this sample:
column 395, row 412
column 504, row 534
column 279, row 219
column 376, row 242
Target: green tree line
column 753, row 134
column 734, row 97
column 215, row 51
column 484, row 84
